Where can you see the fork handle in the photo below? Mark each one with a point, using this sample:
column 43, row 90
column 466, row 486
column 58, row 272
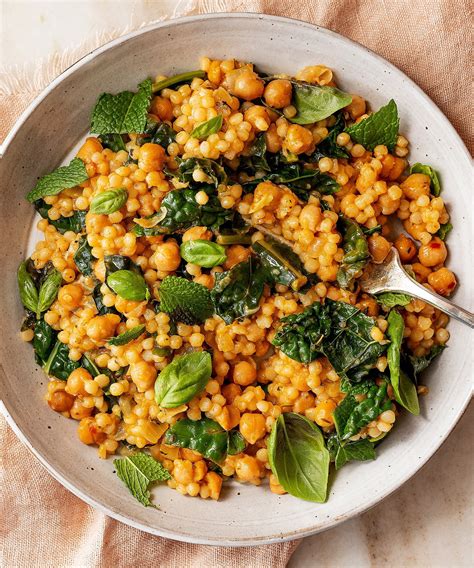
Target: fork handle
column 416, row 290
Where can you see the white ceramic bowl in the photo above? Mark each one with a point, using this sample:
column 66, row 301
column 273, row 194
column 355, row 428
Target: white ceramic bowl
column 50, row 128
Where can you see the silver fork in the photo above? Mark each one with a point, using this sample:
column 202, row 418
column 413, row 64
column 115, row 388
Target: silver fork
column 390, row 276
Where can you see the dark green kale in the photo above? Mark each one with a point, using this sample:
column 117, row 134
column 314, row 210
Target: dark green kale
column 76, row 222
column 356, row 251
column 329, row 147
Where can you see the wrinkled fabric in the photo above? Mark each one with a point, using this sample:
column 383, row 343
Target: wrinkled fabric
column 41, row 523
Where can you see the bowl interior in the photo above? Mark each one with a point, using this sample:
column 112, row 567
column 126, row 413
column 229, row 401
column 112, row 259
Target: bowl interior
column 246, row 514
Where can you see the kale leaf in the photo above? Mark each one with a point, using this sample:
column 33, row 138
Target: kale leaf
column 215, row 173
column 83, row 257
column 58, row 363
column 329, row 147
column 282, row 264
column 356, row 251
column 76, row 222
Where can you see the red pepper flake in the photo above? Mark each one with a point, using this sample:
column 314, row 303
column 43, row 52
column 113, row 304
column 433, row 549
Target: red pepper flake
column 435, row 245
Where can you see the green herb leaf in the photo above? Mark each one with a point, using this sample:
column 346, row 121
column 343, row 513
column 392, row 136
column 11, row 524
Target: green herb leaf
column 58, row 363
column 403, row 388
column 254, row 158
column 236, row 443
column 128, row 285
column 127, row 336
column 391, row 299
column 115, row 262
column 62, row 178
column 207, row 128
column 378, row 128
column 43, row 339
column 177, row 79
column 113, row 141
column 444, row 230
column 99, row 304
column 204, row 436
column 356, row 252
column 299, row 458
column 83, row 258
column 329, row 147
column 184, row 300
column 237, row 292
column 164, row 135
column 215, row 173
column 137, row 472
column 361, row 413
column 362, row 450
column 109, row 201
column 27, row 288
column 203, row 253
column 49, row 290
column 419, row 364
column 315, row 103
column 435, row 184
column 281, row 263
column 184, row 378
column 76, row 222
column 122, row 113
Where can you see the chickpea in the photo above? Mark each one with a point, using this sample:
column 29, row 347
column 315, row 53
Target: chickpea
column 356, row 107
column 433, row 253
column 102, row 327
column 245, row 84
column 272, row 140
column 78, row 411
column 162, row 108
column 89, row 433
column 75, row 381
column 230, row 391
column 406, row 248
column 96, row 223
column 89, row 148
column 298, row 139
column 248, row 468
column 244, row 373
column 278, row 93
column 143, row 374
column 166, row 256
column 195, row 233
column 421, row 272
column 416, row 185
column 443, row 281
column 151, row 157
column 258, row 117
column 379, row 247
column 235, row 254
column 252, row 427
column 369, row 306
column 70, row 296
column 61, row 401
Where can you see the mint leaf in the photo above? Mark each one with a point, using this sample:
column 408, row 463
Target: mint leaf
column 127, row 336
column 435, row 184
column 184, row 300
column 122, row 113
column 379, row 128
column 62, row 178
column 207, row 128
column 443, row 230
column 391, row 299
column 137, row 472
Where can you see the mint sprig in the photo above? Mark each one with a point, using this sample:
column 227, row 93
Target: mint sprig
column 185, row 301
column 122, row 113
column 378, row 128
column 62, row 178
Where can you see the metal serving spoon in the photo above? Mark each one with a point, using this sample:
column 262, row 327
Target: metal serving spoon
column 390, row 276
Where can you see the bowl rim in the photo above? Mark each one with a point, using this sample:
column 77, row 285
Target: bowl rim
column 90, row 500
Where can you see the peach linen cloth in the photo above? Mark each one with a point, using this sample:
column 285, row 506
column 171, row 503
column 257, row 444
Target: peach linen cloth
column 41, row 523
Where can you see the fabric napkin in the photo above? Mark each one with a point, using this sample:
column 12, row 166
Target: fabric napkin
column 41, row 523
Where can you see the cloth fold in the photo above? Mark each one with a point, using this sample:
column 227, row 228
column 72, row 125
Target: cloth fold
column 41, row 523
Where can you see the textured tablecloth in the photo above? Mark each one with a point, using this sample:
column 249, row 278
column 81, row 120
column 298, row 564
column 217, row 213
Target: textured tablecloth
column 41, row 523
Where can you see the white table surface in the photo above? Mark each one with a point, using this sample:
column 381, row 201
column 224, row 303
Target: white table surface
column 428, row 522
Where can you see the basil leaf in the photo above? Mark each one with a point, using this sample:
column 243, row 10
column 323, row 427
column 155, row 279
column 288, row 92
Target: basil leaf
column 122, row 113
column 49, row 291
column 299, row 458
column 58, row 364
column 378, row 128
column 27, row 288
column 236, row 443
column 203, row 253
column 76, row 222
column 137, row 472
column 207, row 128
column 109, row 201
column 204, row 436
column 315, row 103
column 127, row 336
column 62, row 178
column 177, row 79
column 43, row 339
column 184, row 378
column 356, row 252
column 391, row 299
column 444, row 230
column 403, row 388
column 128, row 285
column 281, row 263
column 83, row 258
column 237, row 292
column 435, row 184
column 188, row 302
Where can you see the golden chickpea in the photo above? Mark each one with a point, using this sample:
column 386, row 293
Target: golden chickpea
column 162, row 108
column 248, row 468
column 298, row 139
column 70, row 296
column 151, row 157
column 78, row 411
column 166, row 256
column 258, row 117
column 369, row 306
column 235, row 254
column 245, row 85
column 433, row 253
column 75, row 381
column 89, row 433
column 406, row 248
column 421, row 272
column 357, row 107
column 100, row 328
column 272, row 140
column 61, row 401
column 252, row 427
column 379, row 247
column 89, row 148
column 278, row 93
column 143, row 374
column 443, row 281
column 416, row 185
column 244, row 373
column 230, row 391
